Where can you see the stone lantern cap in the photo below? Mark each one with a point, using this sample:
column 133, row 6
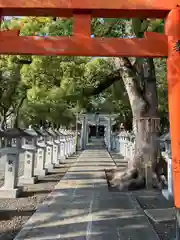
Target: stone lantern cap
column 57, row 132
column 13, row 133
column 59, row 136
column 10, row 134
column 165, row 137
column 30, row 140
column 61, row 131
column 31, row 132
column 42, row 132
column 50, row 136
column 56, row 135
column 123, row 134
column 51, row 133
column 62, row 135
column 42, row 136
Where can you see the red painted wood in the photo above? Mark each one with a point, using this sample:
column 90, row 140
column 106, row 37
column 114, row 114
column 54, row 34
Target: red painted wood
column 97, row 8
column 85, row 46
column 82, row 25
column 172, row 30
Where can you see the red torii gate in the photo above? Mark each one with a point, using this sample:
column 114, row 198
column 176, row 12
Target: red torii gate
column 81, row 44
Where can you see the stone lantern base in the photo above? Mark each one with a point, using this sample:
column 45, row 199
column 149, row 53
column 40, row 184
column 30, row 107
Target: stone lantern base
column 10, row 188
column 28, row 180
column 10, row 193
column 40, row 172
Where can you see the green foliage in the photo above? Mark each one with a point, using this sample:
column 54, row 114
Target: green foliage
column 57, row 87
column 12, row 89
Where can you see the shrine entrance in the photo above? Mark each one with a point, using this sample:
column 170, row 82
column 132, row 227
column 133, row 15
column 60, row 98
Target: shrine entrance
column 81, row 43
column 96, row 131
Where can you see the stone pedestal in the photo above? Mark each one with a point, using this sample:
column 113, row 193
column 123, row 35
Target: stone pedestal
column 109, row 135
column 71, row 146
column 40, row 169
column 29, row 160
column 74, row 144
column 10, row 189
column 66, row 149
column 49, row 156
column 168, row 193
column 55, row 152
column 83, row 140
column 62, row 150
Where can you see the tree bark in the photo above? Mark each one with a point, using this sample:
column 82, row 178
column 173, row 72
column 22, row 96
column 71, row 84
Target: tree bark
column 140, row 84
column 17, row 110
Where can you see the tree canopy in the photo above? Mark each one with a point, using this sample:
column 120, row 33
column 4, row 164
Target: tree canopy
column 45, row 88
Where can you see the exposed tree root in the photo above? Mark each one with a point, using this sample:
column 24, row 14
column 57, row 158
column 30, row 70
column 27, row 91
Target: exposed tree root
column 125, row 180
column 132, row 179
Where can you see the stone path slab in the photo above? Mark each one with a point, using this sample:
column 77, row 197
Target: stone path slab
column 82, row 208
column 161, row 215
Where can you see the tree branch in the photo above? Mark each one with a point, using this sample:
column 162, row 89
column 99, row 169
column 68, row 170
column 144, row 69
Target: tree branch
column 106, row 83
column 103, row 85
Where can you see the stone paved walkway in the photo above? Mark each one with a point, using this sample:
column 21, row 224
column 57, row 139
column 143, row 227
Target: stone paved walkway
column 82, row 208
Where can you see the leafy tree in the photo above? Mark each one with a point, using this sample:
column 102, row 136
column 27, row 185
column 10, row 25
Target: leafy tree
column 12, row 89
column 58, row 83
column 139, row 79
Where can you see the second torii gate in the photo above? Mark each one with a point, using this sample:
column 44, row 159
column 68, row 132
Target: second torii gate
column 81, row 44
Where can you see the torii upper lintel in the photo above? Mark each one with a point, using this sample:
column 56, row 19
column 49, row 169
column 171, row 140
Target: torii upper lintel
column 97, row 8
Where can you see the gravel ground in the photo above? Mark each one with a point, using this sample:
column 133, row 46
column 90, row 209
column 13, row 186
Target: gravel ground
column 15, row 212
column 152, row 200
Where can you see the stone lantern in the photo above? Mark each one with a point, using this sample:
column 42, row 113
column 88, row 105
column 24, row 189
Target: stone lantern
column 46, row 139
column 167, row 143
column 49, row 150
column 56, row 143
column 167, row 156
column 73, row 142
column 62, row 140
column 40, row 169
column 66, row 143
column 29, row 145
column 123, row 142
column 10, row 153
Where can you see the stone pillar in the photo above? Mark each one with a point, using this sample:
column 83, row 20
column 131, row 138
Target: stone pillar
column 29, row 159
column 62, row 150
column 66, row 147
column 70, row 145
column 81, row 137
column 84, row 133
column 109, row 134
column 55, row 152
column 40, row 160
column 85, row 141
column 11, row 157
column 87, row 132
column 49, row 156
column 73, row 144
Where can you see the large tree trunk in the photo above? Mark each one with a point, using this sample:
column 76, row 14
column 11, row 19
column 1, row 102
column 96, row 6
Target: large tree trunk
column 140, row 84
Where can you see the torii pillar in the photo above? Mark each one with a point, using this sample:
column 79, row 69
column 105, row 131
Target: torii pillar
column 172, row 30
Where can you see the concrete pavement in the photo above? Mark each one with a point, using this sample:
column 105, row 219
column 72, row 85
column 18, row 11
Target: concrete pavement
column 82, row 208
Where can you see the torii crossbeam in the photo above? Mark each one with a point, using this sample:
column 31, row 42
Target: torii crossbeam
column 85, row 46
